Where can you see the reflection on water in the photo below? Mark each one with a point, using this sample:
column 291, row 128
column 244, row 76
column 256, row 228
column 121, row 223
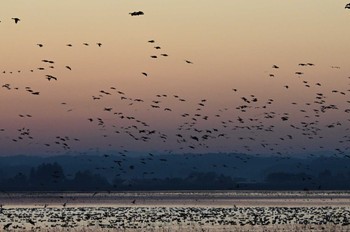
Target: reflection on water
column 178, row 198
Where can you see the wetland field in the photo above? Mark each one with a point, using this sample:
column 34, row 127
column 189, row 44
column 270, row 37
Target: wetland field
column 176, row 211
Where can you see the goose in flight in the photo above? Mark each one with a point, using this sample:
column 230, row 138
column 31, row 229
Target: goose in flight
column 136, row 13
column 188, row 62
column 347, row 6
column 50, row 77
column 16, row 20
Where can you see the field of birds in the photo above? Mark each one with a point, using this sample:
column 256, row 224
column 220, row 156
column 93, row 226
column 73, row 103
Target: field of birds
column 177, row 211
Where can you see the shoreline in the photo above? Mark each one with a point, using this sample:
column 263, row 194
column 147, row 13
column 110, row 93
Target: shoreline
column 225, row 199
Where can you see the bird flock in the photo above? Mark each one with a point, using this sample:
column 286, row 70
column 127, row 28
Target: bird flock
column 185, row 218
column 316, row 118
column 176, row 210
column 252, row 123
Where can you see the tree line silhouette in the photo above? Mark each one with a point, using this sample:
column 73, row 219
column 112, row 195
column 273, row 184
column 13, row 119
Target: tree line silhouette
column 51, row 177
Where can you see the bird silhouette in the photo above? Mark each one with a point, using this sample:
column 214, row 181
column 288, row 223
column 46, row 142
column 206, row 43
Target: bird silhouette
column 50, row 77
column 136, row 13
column 16, row 20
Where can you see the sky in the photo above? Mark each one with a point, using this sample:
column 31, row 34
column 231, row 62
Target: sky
column 232, row 45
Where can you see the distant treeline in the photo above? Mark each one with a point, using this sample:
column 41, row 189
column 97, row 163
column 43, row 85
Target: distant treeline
column 51, row 177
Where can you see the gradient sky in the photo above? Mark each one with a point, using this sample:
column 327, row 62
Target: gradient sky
column 232, row 44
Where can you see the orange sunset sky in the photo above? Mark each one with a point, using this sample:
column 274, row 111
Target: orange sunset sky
column 231, row 44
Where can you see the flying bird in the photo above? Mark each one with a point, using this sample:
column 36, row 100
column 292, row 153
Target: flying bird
column 16, row 20
column 136, row 13
column 347, row 6
column 188, row 62
column 50, row 77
